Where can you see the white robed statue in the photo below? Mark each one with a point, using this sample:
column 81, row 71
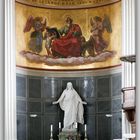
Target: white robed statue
column 72, row 105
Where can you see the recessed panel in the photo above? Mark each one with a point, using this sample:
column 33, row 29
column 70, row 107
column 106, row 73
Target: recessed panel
column 117, row 125
column 21, row 86
column 103, row 127
column 103, row 106
column 103, row 87
column 21, row 127
column 35, row 107
column 21, row 106
column 34, row 89
column 116, row 85
column 87, row 88
column 35, row 128
column 51, row 88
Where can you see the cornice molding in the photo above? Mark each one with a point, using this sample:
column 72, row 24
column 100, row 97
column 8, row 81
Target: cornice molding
column 67, row 4
column 99, row 72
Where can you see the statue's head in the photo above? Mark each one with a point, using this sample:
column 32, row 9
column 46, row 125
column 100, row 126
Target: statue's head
column 69, row 86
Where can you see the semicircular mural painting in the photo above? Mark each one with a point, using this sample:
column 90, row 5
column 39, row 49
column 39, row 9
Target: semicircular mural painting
column 73, row 39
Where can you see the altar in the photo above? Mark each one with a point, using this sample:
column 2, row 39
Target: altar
column 69, row 135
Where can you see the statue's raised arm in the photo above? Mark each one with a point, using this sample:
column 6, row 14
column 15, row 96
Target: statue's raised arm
column 60, row 99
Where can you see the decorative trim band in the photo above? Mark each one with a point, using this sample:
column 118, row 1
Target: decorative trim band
column 67, row 4
column 42, row 69
column 57, row 73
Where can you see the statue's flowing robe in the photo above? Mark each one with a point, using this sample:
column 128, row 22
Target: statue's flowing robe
column 71, row 104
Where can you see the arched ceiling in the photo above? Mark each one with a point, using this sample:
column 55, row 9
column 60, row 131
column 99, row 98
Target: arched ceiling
column 69, row 4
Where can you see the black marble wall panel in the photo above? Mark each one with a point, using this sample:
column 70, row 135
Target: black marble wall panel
column 90, row 121
column 87, row 87
column 91, row 128
column 103, row 87
column 51, row 88
column 103, row 106
column 36, row 94
column 50, row 108
column 103, row 127
column 34, row 88
column 48, row 120
column 117, row 125
column 21, row 127
column 90, row 108
column 21, row 86
column 116, row 85
column 21, row 106
column 35, row 128
column 35, row 107
column 116, row 105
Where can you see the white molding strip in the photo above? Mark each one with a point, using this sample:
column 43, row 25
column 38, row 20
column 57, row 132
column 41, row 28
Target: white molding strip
column 128, row 41
column 128, row 18
column 66, row 4
column 138, row 69
column 100, row 72
column 10, row 72
column 128, row 48
column 1, row 69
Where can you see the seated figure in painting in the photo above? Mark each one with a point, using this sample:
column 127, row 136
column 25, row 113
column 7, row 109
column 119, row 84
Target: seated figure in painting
column 69, row 44
column 72, row 105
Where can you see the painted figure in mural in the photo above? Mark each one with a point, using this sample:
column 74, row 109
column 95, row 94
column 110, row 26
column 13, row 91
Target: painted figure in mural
column 50, row 35
column 69, row 44
column 72, row 105
column 96, row 43
column 36, row 37
column 87, row 47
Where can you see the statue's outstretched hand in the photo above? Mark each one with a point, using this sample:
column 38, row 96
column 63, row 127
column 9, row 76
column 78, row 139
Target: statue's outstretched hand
column 54, row 102
column 85, row 103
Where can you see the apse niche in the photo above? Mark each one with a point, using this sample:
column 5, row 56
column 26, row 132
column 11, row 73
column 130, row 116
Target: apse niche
column 67, row 41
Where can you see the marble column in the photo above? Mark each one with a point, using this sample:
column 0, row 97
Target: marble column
column 138, row 67
column 10, row 72
column 1, row 69
column 128, row 48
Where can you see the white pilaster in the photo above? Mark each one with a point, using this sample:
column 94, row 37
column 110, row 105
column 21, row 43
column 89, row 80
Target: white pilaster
column 128, row 40
column 10, row 72
column 138, row 69
column 128, row 48
column 1, row 69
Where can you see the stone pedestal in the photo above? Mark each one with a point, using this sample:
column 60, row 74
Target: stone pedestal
column 69, row 135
